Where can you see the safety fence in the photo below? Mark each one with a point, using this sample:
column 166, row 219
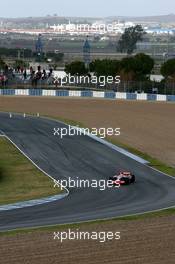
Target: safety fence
column 86, row 93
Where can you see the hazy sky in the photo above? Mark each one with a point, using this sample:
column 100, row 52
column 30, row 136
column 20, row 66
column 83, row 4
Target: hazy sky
column 100, row 8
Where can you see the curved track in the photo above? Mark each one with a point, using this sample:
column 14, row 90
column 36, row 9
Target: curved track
column 83, row 157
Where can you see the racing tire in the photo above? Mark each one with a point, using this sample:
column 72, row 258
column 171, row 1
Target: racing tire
column 133, row 179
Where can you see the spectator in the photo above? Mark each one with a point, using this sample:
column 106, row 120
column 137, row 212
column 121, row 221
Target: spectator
column 5, row 80
column 50, row 73
column 44, row 75
column 25, row 74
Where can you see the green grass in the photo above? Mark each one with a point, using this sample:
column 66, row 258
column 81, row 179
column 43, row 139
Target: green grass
column 20, row 180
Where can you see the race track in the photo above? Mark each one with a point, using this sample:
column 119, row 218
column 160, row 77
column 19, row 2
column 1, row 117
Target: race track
column 83, row 157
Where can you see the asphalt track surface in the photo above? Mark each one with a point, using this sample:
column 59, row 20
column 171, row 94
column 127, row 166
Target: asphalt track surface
column 85, row 158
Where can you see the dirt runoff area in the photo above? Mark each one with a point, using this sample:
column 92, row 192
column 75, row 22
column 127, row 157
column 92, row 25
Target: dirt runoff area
column 146, row 126
column 145, row 241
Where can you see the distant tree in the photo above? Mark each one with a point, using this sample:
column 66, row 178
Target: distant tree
column 105, row 67
column 76, row 68
column 137, row 67
column 143, row 65
column 129, row 39
column 128, row 64
column 14, row 52
column 2, row 64
column 21, row 64
column 168, row 69
column 127, row 69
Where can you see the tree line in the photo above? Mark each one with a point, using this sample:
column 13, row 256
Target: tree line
column 134, row 73
column 135, row 68
column 28, row 53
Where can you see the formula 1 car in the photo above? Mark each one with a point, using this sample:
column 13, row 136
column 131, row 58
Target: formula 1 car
column 123, row 178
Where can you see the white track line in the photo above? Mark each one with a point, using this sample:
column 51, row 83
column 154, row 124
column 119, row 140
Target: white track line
column 37, row 201
column 104, row 142
column 114, row 147
column 31, row 203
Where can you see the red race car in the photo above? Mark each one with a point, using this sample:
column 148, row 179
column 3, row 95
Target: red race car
column 123, row 178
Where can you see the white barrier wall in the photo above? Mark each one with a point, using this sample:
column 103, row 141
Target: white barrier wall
column 22, row 92
column 161, row 97
column 121, row 95
column 88, row 93
column 75, row 93
column 142, row 96
column 98, row 94
column 49, row 93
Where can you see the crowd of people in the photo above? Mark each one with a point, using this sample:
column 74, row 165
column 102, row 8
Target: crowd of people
column 40, row 76
column 20, row 75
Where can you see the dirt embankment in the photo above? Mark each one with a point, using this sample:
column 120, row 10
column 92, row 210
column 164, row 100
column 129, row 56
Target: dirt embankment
column 147, row 126
column 142, row 242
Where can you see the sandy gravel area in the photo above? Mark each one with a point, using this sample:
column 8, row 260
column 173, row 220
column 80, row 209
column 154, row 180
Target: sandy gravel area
column 147, row 126
column 142, row 242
